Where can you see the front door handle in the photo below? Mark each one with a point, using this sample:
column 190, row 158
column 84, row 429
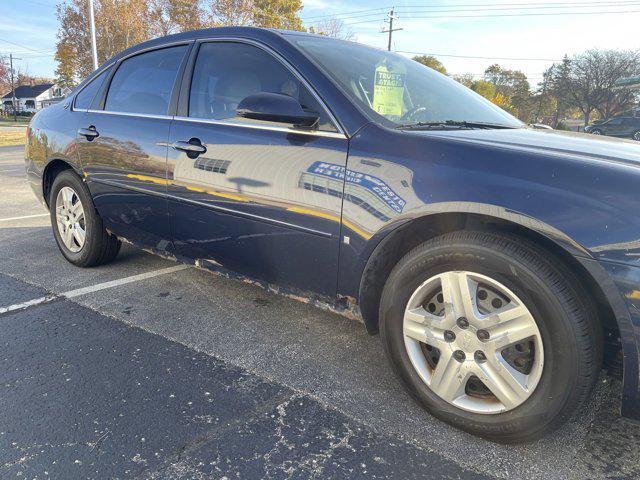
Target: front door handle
column 89, row 133
column 193, row 147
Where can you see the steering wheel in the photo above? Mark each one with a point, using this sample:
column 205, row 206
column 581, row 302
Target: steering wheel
column 410, row 115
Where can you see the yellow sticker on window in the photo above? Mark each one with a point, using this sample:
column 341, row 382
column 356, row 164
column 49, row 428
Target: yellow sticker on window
column 388, row 89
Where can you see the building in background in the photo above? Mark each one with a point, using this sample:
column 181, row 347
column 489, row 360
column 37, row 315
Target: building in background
column 31, row 98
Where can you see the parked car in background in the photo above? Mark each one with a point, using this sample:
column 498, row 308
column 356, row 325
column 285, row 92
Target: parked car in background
column 499, row 263
column 622, row 127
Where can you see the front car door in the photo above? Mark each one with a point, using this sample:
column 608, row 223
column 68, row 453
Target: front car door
column 265, row 198
column 122, row 144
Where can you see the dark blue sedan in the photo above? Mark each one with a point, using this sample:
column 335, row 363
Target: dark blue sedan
column 500, row 264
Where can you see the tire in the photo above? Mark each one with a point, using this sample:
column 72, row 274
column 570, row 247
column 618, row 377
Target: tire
column 636, row 136
column 98, row 246
column 596, row 131
column 564, row 355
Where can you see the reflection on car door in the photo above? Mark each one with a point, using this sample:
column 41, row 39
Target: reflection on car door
column 122, row 145
column 250, row 202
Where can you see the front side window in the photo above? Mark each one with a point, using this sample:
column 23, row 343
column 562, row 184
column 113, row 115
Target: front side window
column 143, row 84
column 393, row 90
column 85, row 97
column 225, row 73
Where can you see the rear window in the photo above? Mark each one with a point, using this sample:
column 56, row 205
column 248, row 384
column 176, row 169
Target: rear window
column 143, row 84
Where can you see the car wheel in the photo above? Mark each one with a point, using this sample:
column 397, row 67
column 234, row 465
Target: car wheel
column 77, row 227
column 490, row 335
column 595, row 131
column 636, row 136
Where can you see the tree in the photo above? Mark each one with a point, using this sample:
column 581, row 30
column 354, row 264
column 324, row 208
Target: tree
column 119, row 24
column 513, row 87
column 465, row 79
column 587, row 81
column 431, row 62
column 332, row 27
column 231, row 12
column 277, row 14
column 171, row 16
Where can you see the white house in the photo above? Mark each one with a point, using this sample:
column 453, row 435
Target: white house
column 31, row 98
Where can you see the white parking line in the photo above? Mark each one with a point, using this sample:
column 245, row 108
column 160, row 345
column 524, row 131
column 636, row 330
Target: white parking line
column 93, row 288
column 122, row 281
column 23, row 217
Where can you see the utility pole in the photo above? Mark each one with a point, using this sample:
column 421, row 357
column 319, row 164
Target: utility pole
column 391, row 29
column 92, row 29
column 13, row 89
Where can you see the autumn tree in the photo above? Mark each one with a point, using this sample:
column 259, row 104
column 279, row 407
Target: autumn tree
column 172, row 16
column 431, row 62
column 119, row 24
column 513, row 90
column 231, row 12
column 282, row 14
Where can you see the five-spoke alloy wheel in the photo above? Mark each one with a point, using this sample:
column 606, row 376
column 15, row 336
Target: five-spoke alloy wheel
column 473, row 342
column 77, row 226
column 491, row 333
column 70, row 219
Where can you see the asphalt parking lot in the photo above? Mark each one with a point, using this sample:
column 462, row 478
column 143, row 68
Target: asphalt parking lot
column 148, row 369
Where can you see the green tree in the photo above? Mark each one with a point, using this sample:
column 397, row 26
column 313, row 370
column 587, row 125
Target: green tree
column 277, row 14
column 514, row 88
column 431, row 62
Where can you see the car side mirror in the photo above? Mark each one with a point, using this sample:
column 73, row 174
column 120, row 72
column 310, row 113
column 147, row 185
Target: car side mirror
column 276, row 107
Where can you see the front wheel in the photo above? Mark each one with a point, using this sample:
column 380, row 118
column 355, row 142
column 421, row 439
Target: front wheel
column 77, row 227
column 636, row 136
column 489, row 335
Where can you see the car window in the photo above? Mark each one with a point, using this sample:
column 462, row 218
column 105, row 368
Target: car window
column 143, row 84
column 225, row 73
column 615, row 121
column 85, row 97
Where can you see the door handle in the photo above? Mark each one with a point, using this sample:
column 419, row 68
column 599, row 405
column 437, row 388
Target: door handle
column 193, row 147
column 89, row 133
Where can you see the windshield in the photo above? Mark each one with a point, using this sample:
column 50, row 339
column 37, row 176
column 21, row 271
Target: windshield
column 394, row 90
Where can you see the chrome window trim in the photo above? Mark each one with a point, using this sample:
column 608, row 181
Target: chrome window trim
column 286, row 65
column 130, row 114
column 273, row 128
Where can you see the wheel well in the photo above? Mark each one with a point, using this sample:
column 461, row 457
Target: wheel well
column 392, row 248
column 51, row 171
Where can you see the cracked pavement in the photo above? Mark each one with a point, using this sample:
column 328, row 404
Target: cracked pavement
column 190, row 375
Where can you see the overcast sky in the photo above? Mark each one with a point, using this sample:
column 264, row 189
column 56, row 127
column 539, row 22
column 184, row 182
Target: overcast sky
column 535, row 32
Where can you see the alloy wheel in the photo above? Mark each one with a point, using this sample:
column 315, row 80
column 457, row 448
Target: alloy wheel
column 636, row 136
column 70, row 219
column 473, row 342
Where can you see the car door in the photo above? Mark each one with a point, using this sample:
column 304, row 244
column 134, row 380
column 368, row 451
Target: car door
column 253, row 201
column 614, row 127
column 122, row 144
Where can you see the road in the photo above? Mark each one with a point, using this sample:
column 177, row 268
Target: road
column 146, row 369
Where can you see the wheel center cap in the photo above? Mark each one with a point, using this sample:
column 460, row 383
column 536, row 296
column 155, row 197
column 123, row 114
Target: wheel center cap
column 466, row 339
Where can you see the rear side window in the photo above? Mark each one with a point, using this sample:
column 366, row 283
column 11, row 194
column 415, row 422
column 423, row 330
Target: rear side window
column 225, row 73
column 143, row 84
column 85, row 97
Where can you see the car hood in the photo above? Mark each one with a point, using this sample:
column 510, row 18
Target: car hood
column 550, row 142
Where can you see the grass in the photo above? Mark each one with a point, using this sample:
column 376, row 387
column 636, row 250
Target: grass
column 8, row 122
column 15, row 136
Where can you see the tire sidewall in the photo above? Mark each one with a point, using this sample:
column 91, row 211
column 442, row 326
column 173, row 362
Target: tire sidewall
column 93, row 224
column 549, row 399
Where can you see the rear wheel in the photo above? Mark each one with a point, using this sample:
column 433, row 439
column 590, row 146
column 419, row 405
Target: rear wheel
column 636, row 136
column 595, row 131
column 77, row 227
column 489, row 335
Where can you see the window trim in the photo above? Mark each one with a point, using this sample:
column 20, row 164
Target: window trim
column 171, row 108
column 182, row 112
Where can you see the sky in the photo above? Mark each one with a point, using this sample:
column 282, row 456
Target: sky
column 517, row 34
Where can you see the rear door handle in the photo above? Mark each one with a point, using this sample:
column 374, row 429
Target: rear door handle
column 89, row 133
column 193, row 147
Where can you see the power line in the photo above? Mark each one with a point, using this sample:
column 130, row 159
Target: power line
column 390, row 30
column 481, row 58
column 21, row 46
column 520, row 15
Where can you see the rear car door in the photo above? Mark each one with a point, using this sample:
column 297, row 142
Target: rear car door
column 614, row 127
column 265, row 198
column 122, row 144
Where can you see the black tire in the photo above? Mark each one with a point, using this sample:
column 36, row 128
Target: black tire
column 636, row 136
column 100, row 246
column 597, row 131
column 571, row 336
